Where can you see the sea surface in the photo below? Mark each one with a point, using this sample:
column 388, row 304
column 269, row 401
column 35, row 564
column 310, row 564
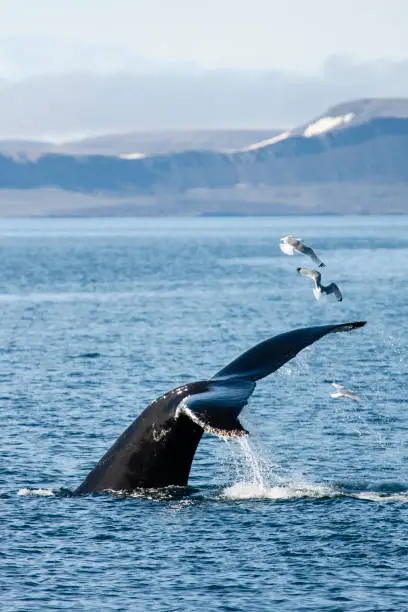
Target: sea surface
column 100, row 316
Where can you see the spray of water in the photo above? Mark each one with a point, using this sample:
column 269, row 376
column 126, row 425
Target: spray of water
column 256, row 478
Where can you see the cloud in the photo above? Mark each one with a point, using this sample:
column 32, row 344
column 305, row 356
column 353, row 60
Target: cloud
column 36, row 55
column 88, row 102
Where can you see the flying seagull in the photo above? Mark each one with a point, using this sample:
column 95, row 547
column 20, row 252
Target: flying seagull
column 318, row 288
column 343, row 392
column 289, row 244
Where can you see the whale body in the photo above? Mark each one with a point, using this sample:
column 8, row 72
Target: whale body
column 158, row 448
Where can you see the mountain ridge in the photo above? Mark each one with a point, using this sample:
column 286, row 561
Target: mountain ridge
column 366, row 148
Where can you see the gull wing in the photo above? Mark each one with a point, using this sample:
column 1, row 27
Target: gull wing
column 313, row 274
column 310, row 252
column 352, row 395
column 333, row 288
column 343, row 392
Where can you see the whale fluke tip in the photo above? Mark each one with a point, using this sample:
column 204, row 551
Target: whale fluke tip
column 350, row 326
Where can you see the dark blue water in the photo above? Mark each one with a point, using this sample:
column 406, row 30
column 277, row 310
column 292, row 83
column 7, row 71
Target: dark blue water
column 101, row 316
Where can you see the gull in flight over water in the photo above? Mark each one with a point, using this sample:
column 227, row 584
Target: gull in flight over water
column 343, row 392
column 289, row 244
column 318, row 288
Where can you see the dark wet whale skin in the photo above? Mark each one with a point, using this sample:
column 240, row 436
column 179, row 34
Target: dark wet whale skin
column 155, row 450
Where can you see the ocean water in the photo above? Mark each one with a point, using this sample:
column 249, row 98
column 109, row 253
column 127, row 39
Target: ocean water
column 99, row 317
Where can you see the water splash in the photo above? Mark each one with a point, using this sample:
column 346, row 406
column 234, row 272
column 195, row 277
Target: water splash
column 36, row 492
column 252, row 463
column 245, row 490
column 254, row 477
column 248, row 463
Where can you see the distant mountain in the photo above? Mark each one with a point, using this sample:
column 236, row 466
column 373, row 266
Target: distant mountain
column 166, row 141
column 362, row 142
column 25, row 147
column 142, row 143
column 376, row 150
column 354, row 113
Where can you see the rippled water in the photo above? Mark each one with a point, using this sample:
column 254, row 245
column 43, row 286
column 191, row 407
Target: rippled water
column 101, row 316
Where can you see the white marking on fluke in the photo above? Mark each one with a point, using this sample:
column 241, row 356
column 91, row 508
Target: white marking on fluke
column 224, row 434
column 159, row 435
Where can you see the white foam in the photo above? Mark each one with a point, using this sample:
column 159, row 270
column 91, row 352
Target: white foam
column 325, row 124
column 252, row 490
column 249, row 490
column 381, row 497
column 36, row 492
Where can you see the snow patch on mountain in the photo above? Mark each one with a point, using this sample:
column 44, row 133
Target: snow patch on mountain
column 325, row 124
column 267, row 142
column 132, row 155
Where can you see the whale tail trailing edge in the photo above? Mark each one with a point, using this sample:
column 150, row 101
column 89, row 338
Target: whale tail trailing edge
column 268, row 356
column 217, row 408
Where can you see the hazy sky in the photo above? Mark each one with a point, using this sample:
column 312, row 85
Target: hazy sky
column 256, row 34
column 291, row 41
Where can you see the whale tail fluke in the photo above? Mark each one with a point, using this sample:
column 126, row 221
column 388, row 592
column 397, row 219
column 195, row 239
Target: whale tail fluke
column 217, row 408
column 268, row 356
column 157, row 449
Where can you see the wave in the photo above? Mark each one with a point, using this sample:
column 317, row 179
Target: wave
column 254, row 479
column 238, row 491
column 381, row 497
column 89, row 355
